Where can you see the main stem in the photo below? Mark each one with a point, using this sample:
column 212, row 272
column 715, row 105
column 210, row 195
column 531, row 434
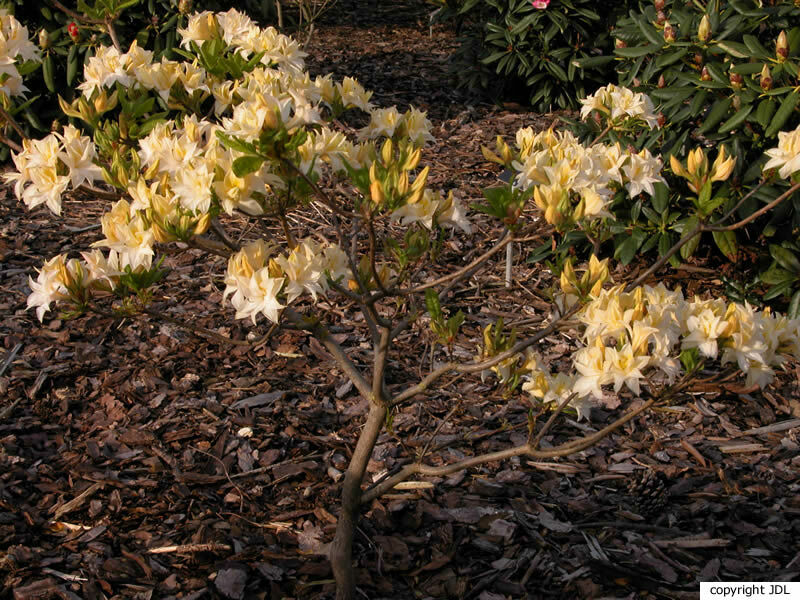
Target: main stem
column 341, row 552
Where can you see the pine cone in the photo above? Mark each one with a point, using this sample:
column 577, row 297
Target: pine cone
column 649, row 490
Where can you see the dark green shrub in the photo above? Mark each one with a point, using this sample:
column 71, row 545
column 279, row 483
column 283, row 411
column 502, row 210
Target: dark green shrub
column 722, row 74
column 549, row 52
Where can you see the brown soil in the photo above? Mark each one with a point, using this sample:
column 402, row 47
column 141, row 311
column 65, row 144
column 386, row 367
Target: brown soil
column 120, row 437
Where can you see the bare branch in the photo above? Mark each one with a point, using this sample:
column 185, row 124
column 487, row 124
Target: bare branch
column 474, row 367
column 465, row 271
column 220, row 232
column 16, row 126
column 521, row 450
column 764, row 209
column 77, row 16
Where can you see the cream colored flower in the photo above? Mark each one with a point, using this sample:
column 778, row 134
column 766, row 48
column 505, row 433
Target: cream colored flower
column 786, row 157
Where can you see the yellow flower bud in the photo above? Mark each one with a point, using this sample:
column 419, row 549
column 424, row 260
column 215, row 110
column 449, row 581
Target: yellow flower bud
column 722, row 167
column 376, row 192
column 402, row 183
column 704, row 30
column 387, row 151
column 160, row 235
column 68, row 109
column 202, row 224
column 677, row 167
column 44, row 39
column 413, row 160
column 568, row 279
column 491, row 156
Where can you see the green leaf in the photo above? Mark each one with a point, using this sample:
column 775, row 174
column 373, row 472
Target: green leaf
column 755, row 47
column 776, row 276
column 637, row 51
column 689, row 248
column 247, row 164
column 72, row 64
column 735, row 49
column 660, row 198
column 47, row 73
column 765, row 110
column 781, row 289
column 432, row 304
column 736, row 119
column 785, row 258
column 716, row 114
column 794, row 306
column 787, row 108
column 726, row 242
column 234, row 143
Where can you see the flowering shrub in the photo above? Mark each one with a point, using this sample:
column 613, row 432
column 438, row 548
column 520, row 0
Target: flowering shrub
column 240, row 129
column 549, row 53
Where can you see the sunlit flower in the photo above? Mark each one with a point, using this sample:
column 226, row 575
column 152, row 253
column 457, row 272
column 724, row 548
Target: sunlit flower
column 786, row 157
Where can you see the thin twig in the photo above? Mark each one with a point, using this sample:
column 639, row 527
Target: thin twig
column 13, row 122
column 755, row 215
column 473, row 367
column 463, row 271
column 186, row 548
column 77, row 16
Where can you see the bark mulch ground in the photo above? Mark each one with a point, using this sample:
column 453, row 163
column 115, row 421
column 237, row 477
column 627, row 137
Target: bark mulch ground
column 140, row 461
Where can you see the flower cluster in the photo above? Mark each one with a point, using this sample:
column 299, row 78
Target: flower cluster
column 434, row 209
column 571, row 181
column 621, row 106
column 388, row 122
column 258, row 278
column 786, row 157
column 14, row 45
column 631, row 336
column 237, row 30
column 63, row 279
column 47, row 167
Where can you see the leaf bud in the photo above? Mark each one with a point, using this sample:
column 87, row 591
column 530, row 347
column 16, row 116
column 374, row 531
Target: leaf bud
column 669, row 32
column 704, row 29
column 659, row 4
column 620, row 43
column 782, row 47
column 766, row 78
column 662, row 120
column 661, row 18
column 661, row 81
column 737, row 102
column 736, row 81
column 185, row 6
column 44, row 39
column 705, row 75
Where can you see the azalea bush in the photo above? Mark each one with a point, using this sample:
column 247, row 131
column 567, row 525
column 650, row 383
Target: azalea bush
column 67, row 38
column 188, row 153
column 547, row 52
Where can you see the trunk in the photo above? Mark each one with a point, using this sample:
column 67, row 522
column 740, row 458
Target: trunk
column 341, row 553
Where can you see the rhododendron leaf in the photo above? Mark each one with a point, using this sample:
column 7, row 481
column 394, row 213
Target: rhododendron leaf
column 786, row 109
column 794, row 306
column 726, row 242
